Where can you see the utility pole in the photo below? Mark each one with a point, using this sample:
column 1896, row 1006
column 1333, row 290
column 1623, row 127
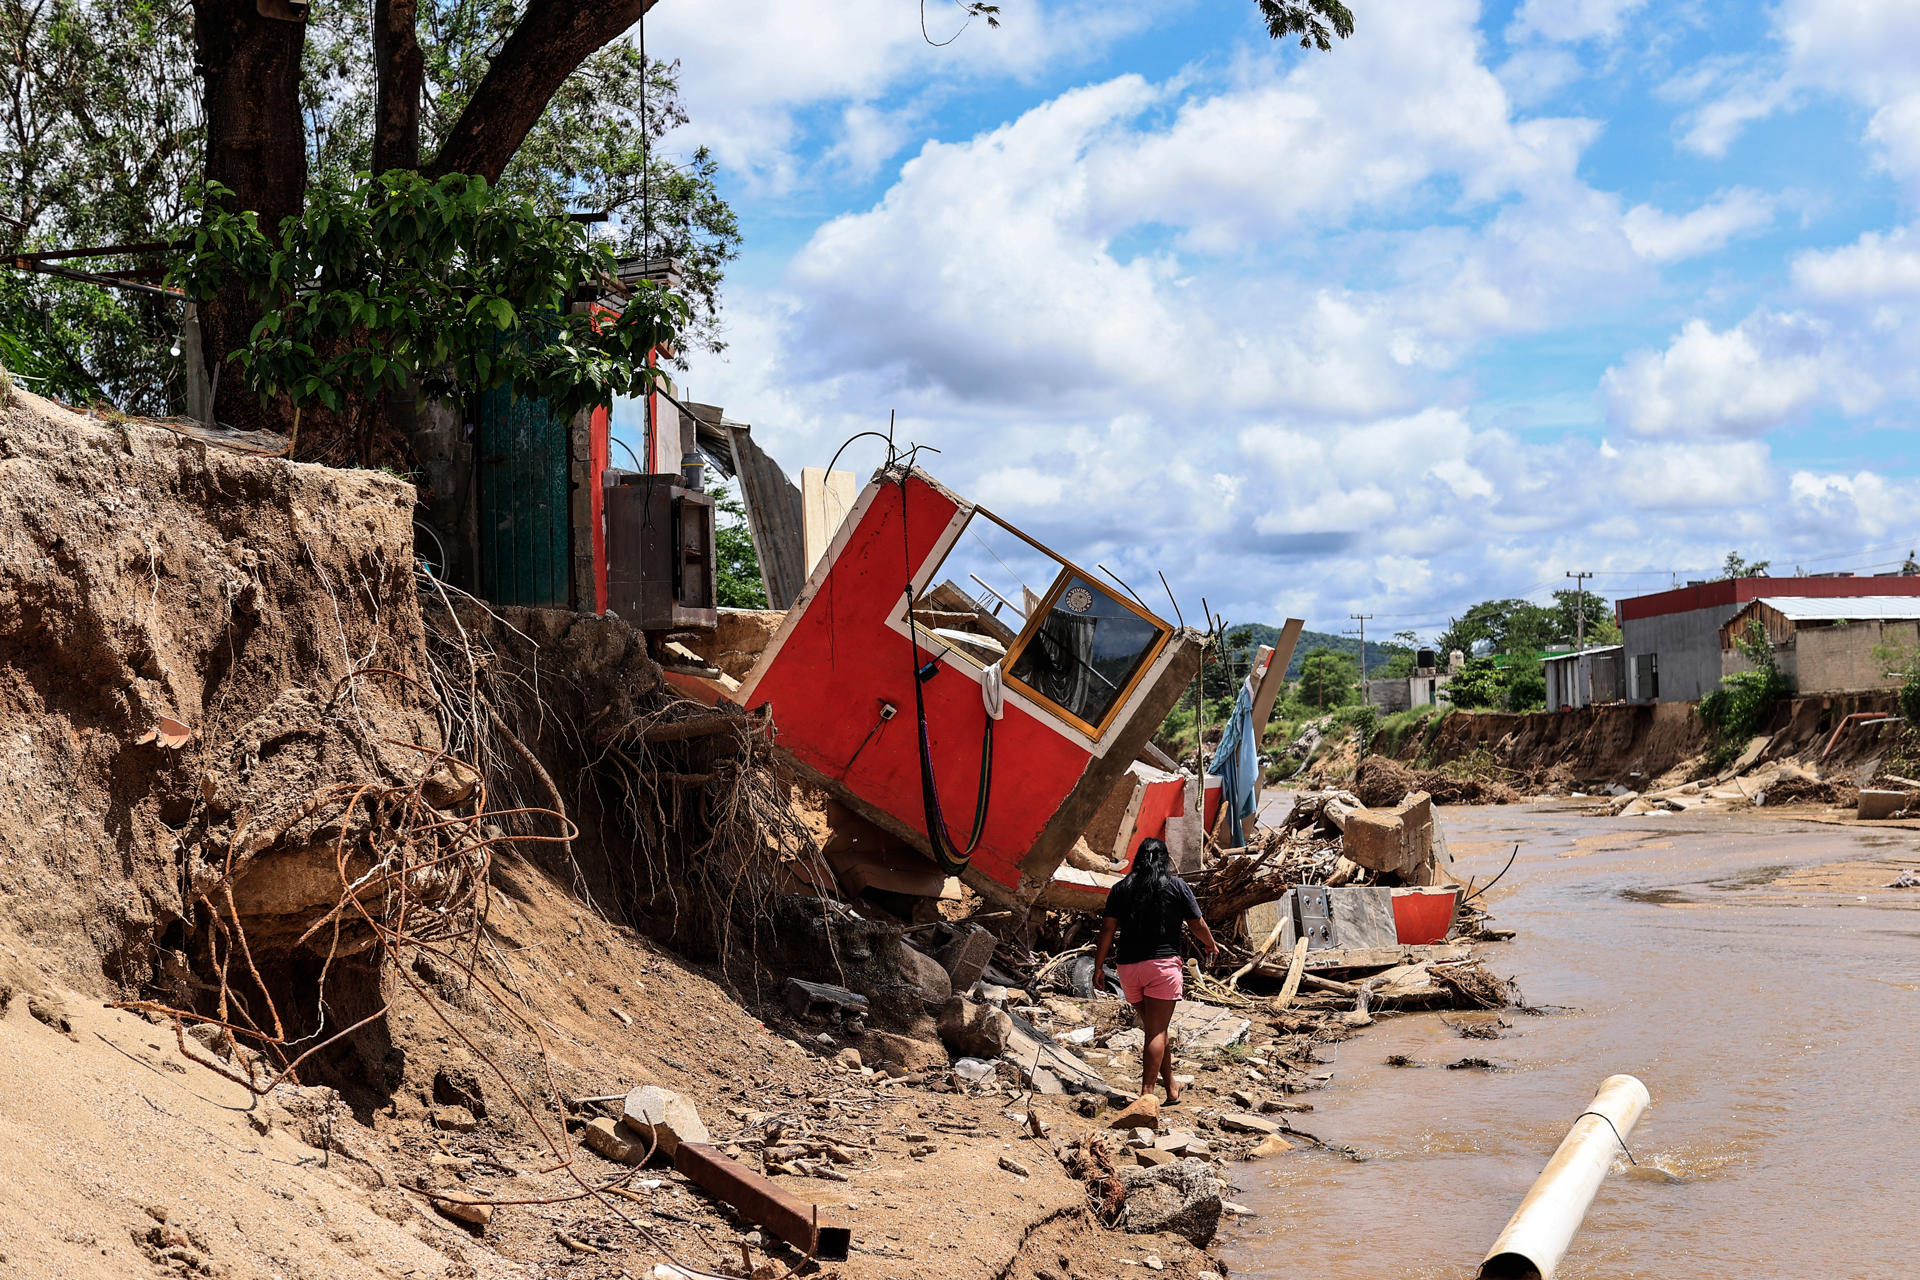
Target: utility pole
column 1580, row 610
column 1361, row 618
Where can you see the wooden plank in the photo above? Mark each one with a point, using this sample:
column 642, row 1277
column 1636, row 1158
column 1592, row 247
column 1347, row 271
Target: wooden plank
column 825, row 499
column 774, row 518
column 1335, row 958
column 1270, row 684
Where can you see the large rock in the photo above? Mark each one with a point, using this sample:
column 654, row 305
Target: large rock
column 972, row 1030
column 664, row 1118
column 1182, row 1197
column 927, row 975
column 1142, row 1113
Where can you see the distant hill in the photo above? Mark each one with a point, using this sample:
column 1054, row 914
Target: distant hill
column 1261, row 633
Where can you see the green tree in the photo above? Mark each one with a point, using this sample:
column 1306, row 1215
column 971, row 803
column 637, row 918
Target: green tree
column 596, row 147
column 1738, row 566
column 1480, row 682
column 453, row 285
column 1326, row 679
column 100, row 137
column 1568, row 607
column 1484, row 624
column 736, row 578
column 1526, row 686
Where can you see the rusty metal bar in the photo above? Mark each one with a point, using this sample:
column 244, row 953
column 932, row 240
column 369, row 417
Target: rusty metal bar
column 761, row 1202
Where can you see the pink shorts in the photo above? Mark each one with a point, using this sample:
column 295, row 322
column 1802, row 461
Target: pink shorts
column 1152, row 979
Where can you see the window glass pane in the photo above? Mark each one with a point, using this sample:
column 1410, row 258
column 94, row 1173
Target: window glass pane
column 976, row 603
column 1086, row 651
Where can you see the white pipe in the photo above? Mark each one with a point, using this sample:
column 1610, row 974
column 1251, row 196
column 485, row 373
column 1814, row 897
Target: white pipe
column 1537, row 1236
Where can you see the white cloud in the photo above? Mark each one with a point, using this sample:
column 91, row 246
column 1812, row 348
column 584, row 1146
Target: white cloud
column 1533, row 75
column 1865, row 501
column 1742, row 381
column 756, row 76
column 1571, row 20
column 1668, row 475
column 1665, row 237
column 1874, row 268
column 1229, row 324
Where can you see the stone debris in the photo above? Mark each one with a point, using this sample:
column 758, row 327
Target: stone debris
column 1182, row 1197
column 615, row 1141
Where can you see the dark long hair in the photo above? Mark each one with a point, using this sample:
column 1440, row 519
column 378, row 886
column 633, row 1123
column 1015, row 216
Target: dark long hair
column 1152, row 872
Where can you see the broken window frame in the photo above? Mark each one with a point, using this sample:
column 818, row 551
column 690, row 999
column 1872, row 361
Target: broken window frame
column 1065, row 571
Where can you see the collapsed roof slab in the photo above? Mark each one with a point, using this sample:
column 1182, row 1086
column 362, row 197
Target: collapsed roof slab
column 1086, row 680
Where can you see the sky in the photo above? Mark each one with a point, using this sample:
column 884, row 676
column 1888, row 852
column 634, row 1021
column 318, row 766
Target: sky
column 1488, row 294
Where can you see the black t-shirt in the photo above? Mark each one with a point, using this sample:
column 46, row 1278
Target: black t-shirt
column 1150, row 923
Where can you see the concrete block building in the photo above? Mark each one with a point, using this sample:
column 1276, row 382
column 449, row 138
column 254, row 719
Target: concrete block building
column 1834, row 645
column 1672, row 638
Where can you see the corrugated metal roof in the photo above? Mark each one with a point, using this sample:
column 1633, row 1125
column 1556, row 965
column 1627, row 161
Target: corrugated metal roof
column 1589, row 650
column 1843, row 608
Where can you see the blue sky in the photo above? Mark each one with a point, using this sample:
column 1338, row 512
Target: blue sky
column 1488, row 293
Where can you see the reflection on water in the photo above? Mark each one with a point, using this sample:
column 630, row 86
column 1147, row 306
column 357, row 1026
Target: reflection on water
column 1775, row 1032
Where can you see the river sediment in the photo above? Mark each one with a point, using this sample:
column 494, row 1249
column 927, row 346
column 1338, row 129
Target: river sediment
column 1754, row 971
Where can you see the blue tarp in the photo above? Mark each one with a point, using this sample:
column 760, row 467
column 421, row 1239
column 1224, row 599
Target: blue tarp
column 1237, row 762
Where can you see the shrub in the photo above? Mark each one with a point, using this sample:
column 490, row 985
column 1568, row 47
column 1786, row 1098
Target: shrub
column 1744, row 703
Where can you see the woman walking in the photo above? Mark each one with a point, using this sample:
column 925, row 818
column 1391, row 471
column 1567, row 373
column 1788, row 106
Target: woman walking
column 1148, row 908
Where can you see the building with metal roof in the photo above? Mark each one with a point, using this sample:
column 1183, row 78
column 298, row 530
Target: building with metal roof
column 1672, row 638
column 1828, row 645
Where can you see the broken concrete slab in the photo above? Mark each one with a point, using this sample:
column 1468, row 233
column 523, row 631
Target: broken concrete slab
column 1240, row 1122
column 1397, row 841
column 1206, row 1028
column 1875, row 805
column 966, row 957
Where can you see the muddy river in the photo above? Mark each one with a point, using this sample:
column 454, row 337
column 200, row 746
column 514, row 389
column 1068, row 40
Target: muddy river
column 1752, row 971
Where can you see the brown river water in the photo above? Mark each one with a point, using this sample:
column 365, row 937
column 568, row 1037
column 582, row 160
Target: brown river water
column 1768, row 998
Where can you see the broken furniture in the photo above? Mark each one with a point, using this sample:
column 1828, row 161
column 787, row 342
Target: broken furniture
column 1081, row 677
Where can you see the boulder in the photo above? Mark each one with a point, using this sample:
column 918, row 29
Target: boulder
column 454, row 1119
column 974, row 1030
column 664, row 1118
column 1182, row 1197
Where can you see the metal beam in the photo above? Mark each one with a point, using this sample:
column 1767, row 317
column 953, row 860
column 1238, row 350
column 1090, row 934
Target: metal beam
column 761, row 1202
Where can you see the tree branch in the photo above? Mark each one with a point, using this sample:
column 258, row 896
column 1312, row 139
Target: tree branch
column 552, row 39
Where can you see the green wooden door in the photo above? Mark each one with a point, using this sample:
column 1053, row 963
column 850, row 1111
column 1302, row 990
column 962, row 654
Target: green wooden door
column 524, row 542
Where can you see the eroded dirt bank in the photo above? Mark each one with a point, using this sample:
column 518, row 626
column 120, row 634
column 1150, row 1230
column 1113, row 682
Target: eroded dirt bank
column 259, row 775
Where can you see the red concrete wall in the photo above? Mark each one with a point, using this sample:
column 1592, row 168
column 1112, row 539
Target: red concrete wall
column 1740, row 590
column 840, row 660
column 1158, row 802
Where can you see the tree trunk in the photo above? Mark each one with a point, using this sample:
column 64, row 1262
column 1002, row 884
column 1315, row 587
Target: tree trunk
column 257, row 148
column 551, row 41
column 401, row 71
